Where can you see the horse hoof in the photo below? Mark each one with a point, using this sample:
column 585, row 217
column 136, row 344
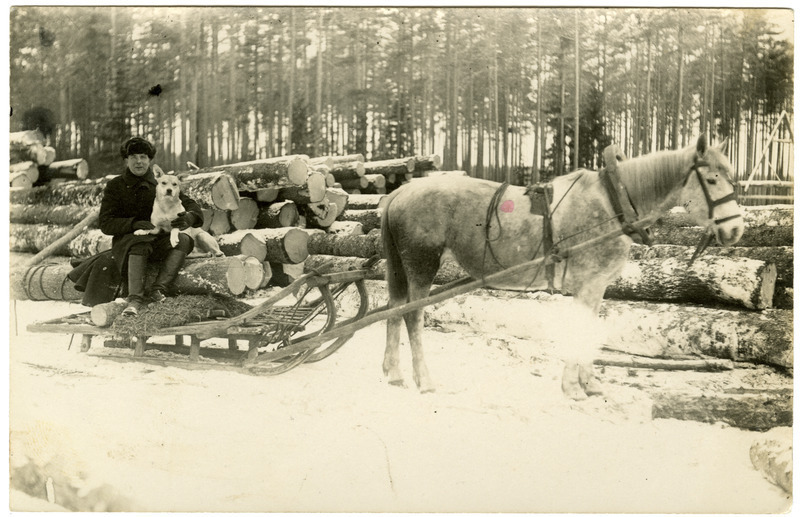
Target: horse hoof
column 399, row 382
column 427, row 390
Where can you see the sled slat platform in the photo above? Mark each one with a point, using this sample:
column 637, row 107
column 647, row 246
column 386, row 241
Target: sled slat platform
column 276, row 335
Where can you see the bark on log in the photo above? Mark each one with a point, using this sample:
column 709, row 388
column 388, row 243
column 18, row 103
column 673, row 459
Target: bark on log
column 394, row 166
column 32, row 238
column 104, row 314
column 43, row 282
column 212, row 190
column 346, row 228
column 781, row 256
column 283, row 171
column 64, row 215
column 311, row 191
column 348, row 171
column 285, row 274
column 359, row 183
column 369, row 219
column 365, row 246
column 426, row 163
column 710, row 280
column 285, row 245
column 753, row 236
column 277, row 215
column 70, row 169
column 366, row 201
column 356, row 157
column 670, row 365
column 449, row 271
column 752, row 411
column 220, row 275
column 245, row 217
column 88, row 243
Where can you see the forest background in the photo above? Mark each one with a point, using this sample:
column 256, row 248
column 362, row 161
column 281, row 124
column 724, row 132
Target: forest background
column 508, row 94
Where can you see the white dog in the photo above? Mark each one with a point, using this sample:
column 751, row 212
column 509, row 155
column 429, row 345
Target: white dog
column 166, row 207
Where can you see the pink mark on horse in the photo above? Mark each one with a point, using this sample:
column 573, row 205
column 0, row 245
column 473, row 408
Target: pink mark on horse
column 507, row 206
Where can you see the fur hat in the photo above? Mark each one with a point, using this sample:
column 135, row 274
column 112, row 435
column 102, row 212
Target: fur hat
column 137, row 145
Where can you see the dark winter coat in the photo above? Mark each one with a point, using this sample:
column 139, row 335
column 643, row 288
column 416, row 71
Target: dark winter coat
column 129, row 198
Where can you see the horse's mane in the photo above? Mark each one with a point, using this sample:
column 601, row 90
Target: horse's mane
column 650, row 178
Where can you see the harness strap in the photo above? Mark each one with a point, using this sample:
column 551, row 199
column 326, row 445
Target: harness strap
column 620, row 199
column 541, row 195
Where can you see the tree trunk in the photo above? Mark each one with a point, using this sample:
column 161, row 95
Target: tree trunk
column 710, row 280
column 27, row 169
column 278, row 215
column 320, row 215
column 282, row 171
column 104, row 314
column 20, row 180
column 370, row 219
column 257, row 274
column 32, row 238
column 348, row 170
column 63, row 215
column 346, row 158
column 781, row 256
column 364, row 246
column 88, row 243
column 219, row 275
column 366, row 182
column 284, row 245
column 212, row 190
column 752, row 411
column 311, row 191
column 83, row 194
column 246, row 216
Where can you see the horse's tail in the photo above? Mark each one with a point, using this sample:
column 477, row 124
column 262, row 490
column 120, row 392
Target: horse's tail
column 395, row 272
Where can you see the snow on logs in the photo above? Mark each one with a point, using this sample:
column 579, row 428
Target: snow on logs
column 76, row 168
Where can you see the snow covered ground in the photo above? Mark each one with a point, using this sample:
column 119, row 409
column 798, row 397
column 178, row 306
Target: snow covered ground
column 497, row 436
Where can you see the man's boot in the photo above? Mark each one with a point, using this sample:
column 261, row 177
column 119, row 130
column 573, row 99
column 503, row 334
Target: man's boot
column 169, row 271
column 137, row 264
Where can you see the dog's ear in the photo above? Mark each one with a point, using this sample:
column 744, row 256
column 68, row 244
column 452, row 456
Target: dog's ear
column 183, row 176
column 157, row 171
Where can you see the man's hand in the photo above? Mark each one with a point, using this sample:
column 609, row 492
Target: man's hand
column 183, row 221
column 143, row 225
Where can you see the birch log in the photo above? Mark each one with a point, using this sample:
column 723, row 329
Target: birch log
column 277, row 215
column 369, row 219
column 282, row 171
column 212, row 190
column 63, row 215
column 77, row 168
column 394, row 166
column 710, row 280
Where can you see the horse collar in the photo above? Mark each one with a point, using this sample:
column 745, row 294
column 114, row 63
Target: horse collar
column 623, row 206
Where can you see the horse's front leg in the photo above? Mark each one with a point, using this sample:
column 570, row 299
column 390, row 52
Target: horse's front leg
column 585, row 337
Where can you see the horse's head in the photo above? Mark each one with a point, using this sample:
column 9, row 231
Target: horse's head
column 709, row 196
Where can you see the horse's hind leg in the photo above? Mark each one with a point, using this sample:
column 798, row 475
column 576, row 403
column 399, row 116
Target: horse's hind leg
column 415, row 323
column 391, row 356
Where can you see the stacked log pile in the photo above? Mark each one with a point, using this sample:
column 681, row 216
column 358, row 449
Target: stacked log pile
column 257, row 211
column 32, row 162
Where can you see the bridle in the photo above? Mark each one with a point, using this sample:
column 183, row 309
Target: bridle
column 706, row 239
column 711, row 203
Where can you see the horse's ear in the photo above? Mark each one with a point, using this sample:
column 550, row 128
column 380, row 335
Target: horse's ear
column 701, row 145
column 723, row 147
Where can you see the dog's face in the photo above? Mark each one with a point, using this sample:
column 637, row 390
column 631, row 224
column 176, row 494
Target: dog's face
column 168, row 186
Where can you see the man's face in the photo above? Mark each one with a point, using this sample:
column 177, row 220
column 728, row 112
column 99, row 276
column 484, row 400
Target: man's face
column 138, row 163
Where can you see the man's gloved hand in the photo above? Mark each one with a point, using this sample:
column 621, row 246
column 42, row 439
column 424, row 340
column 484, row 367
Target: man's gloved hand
column 183, row 221
column 142, row 225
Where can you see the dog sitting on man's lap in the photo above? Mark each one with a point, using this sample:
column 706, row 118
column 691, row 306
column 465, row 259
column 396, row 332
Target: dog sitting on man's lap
column 166, row 207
